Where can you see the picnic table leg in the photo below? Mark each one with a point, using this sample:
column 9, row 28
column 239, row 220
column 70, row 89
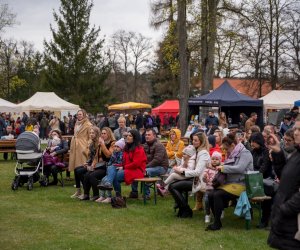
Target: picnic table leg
column 144, row 191
column 154, row 188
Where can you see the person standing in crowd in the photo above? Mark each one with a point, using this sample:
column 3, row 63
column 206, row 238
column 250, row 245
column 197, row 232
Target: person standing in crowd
column 54, row 123
column 44, row 123
column 72, row 122
column 286, row 124
column 79, row 148
column 251, row 121
column 223, row 120
column 139, row 120
column 243, row 119
column 112, row 122
column 147, row 121
column 24, row 118
column 2, row 125
column 121, row 132
column 158, row 122
column 211, row 120
column 284, row 233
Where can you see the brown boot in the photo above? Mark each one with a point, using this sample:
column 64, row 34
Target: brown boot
column 199, row 205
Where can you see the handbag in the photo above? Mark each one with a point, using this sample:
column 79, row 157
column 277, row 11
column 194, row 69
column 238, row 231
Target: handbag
column 100, row 165
column 270, row 186
column 198, row 185
column 254, row 184
column 219, row 180
column 118, row 202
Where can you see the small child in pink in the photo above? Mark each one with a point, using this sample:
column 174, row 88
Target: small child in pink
column 187, row 162
column 208, row 176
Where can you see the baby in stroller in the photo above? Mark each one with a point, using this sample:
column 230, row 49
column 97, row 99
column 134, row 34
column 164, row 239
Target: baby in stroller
column 29, row 161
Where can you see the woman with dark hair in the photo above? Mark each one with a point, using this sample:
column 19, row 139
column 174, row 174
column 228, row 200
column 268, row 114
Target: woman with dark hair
column 239, row 161
column 97, row 170
column 57, row 151
column 134, row 161
column 178, row 188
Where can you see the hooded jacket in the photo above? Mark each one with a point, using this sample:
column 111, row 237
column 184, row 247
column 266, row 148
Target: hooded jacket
column 174, row 149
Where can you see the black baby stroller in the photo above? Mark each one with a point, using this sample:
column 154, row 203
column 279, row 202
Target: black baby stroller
column 29, row 166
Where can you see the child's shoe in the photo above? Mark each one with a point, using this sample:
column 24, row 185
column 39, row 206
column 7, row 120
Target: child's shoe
column 162, row 192
column 207, row 219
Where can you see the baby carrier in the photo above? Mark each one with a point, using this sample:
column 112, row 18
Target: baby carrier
column 29, row 166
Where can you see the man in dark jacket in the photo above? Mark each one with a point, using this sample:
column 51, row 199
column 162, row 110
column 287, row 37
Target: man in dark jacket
column 157, row 160
column 139, row 120
column 211, row 120
column 286, row 207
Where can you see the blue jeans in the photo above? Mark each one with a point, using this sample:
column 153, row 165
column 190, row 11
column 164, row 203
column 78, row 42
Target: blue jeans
column 151, row 172
column 110, row 174
column 206, row 202
column 119, row 177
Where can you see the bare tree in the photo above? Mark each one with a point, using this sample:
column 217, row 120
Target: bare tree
column 7, row 17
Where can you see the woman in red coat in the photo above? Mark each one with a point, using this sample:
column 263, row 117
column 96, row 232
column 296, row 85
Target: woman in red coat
column 134, row 161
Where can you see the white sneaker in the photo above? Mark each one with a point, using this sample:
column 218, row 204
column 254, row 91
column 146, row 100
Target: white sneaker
column 223, row 215
column 207, row 218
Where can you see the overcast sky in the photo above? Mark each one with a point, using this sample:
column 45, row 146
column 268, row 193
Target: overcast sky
column 35, row 16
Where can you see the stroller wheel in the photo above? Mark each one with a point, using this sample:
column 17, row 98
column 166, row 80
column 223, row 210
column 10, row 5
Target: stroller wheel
column 14, row 185
column 30, row 183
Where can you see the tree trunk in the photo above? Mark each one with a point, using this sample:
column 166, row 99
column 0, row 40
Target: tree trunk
column 208, row 40
column 184, row 67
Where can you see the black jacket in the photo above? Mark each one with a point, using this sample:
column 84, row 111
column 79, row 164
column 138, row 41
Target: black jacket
column 262, row 162
column 286, row 205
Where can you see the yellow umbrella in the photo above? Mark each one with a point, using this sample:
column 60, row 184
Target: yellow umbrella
column 129, row 105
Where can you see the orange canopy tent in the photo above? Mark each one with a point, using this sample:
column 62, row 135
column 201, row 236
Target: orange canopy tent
column 169, row 107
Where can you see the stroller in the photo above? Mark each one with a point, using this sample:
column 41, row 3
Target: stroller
column 29, row 161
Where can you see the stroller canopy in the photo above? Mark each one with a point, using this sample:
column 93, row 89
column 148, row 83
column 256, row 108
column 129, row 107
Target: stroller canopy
column 28, row 141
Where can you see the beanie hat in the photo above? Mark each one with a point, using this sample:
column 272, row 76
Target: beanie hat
column 120, row 143
column 217, row 155
column 189, row 150
column 212, row 140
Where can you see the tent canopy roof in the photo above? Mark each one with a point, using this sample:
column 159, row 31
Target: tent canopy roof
column 47, row 101
column 129, row 105
column 6, row 106
column 280, row 99
column 167, row 106
column 225, row 95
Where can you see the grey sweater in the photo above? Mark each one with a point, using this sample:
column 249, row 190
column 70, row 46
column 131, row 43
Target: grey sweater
column 236, row 170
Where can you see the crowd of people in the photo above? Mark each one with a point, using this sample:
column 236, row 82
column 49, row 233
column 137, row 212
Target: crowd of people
column 104, row 152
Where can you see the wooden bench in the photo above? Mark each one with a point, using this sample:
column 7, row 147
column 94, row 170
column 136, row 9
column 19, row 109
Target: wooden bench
column 151, row 182
column 8, row 146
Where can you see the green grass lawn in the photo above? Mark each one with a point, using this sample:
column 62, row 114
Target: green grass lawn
column 47, row 218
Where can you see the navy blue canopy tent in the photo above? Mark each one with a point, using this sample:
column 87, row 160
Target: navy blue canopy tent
column 230, row 101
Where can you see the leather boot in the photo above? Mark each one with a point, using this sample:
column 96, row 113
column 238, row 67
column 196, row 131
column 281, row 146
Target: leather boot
column 199, row 204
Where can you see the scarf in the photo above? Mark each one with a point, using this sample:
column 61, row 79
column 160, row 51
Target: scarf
column 79, row 124
column 235, row 152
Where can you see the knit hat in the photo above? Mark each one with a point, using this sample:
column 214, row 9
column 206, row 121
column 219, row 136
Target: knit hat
column 217, row 155
column 212, row 140
column 189, row 150
column 120, row 143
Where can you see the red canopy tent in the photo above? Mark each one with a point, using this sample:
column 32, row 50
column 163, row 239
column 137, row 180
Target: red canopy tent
column 169, row 107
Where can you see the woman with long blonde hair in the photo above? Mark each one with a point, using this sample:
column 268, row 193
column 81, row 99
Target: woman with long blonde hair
column 177, row 189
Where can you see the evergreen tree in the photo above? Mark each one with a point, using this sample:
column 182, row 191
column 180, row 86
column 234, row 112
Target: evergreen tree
column 75, row 67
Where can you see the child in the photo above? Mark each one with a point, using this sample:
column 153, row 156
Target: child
column 53, row 145
column 114, row 164
column 208, row 176
column 187, row 162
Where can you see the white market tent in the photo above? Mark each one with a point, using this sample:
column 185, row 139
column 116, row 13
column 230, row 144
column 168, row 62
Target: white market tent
column 46, row 101
column 6, row 106
column 280, row 99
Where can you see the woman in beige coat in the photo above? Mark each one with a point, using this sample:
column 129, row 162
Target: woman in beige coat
column 79, row 148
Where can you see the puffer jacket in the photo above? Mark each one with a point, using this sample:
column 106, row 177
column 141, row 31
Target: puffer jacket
column 174, row 149
column 156, row 154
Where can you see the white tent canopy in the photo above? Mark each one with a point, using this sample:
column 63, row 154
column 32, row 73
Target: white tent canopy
column 6, row 106
column 280, row 99
column 46, row 101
